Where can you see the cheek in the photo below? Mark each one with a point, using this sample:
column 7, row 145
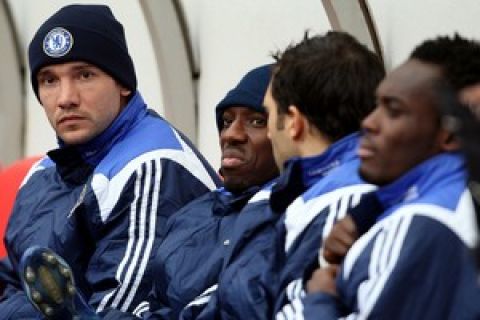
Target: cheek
column 50, row 113
column 106, row 119
column 107, row 109
column 267, row 157
column 271, row 125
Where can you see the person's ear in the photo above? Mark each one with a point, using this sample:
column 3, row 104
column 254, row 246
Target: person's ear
column 124, row 92
column 448, row 141
column 295, row 123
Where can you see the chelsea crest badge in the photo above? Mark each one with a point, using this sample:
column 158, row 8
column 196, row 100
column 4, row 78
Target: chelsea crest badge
column 57, row 42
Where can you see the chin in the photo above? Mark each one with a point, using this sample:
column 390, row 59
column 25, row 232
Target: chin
column 368, row 176
column 75, row 139
column 235, row 185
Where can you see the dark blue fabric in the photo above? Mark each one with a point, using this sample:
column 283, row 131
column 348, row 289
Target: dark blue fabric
column 191, row 257
column 249, row 92
column 366, row 213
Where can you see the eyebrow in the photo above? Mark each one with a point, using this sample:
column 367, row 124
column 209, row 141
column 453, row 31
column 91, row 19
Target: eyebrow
column 76, row 66
column 389, row 99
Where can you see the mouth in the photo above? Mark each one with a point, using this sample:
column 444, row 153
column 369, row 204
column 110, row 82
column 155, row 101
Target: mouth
column 69, row 119
column 366, row 149
column 232, row 158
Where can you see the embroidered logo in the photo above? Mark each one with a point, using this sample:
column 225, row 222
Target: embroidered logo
column 57, row 42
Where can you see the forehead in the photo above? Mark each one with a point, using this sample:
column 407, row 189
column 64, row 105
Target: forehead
column 268, row 100
column 411, row 80
column 470, row 96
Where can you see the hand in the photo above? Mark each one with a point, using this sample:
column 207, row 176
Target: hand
column 341, row 238
column 323, row 280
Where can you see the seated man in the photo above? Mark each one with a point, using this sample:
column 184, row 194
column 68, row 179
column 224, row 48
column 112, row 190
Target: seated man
column 320, row 91
column 102, row 198
column 191, row 256
column 414, row 262
column 189, row 259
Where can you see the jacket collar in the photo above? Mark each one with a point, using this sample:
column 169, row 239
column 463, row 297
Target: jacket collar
column 302, row 173
column 227, row 202
column 75, row 163
column 439, row 180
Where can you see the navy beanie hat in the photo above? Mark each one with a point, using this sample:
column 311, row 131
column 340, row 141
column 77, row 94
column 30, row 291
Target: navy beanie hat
column 249, row 92
column 87, row 33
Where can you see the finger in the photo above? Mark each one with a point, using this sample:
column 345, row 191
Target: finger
column 334, row 254
column 336, row 244
column 347, row 225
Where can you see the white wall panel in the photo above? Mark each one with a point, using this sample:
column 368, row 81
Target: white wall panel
column 233, row 36
column 404, row 24
column 11, row 90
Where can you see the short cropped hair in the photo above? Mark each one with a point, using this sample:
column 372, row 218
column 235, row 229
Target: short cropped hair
column 458, row 59
column 331, row 79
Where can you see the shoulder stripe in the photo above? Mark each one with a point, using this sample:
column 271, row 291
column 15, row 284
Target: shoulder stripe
column 142, row 226
column 203, row 298
column 384, row 258
column 291, row 311
column 37, row 166
column 108, row 191
column 300, row 214
column 152, row 215
column 260, row 195
column 141, row 308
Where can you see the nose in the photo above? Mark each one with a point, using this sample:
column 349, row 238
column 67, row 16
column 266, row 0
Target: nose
column 68, row 95
column 235, row 133
column 370, row 123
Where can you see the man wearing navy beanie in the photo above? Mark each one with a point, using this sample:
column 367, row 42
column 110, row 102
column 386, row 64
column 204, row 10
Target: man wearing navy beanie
column 205, row 230
column 102, row 198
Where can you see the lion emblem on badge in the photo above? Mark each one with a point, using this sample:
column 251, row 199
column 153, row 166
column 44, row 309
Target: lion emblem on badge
column 57, row 42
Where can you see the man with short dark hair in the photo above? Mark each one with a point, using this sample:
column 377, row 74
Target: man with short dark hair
column 321, row 89
column 100, row 200
column 414, row 262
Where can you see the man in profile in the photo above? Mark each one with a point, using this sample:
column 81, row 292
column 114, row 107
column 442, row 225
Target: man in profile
column 321, row 89
column 414, row 262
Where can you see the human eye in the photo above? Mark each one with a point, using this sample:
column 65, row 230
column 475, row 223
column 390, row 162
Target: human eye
column 85, row 74
column 226, row 121
column 392, row 107
column 259, row 122
column 46, row 80
column 393, row 110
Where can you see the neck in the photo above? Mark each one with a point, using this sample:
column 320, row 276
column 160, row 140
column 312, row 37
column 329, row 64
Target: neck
column 313, row 144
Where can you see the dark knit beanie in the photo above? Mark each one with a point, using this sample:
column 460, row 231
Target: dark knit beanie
column 87, row 33
column 249, row 92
